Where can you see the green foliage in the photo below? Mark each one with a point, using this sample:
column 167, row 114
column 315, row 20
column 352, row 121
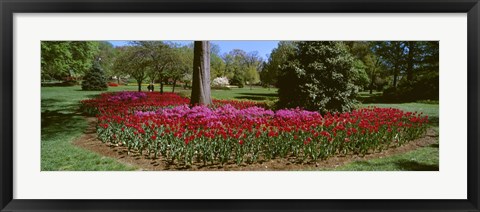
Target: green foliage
column 133, row 61
column 61, row 59
column 181, row 64
column 319, row 76
column 252, row 76
column 360, row 76
column 277, row 59
column 95, row 80
column 217, row 64
column 242, row 67
column 238, row 80
column 107, row 54
column 415, row 69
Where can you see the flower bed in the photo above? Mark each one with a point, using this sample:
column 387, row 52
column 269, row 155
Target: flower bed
column 244, row 132
column 112, row 84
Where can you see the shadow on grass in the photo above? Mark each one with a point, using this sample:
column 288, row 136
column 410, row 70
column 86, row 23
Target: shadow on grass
column 92, row 96
column 402, row 164
column 370, row 98
column 416, row 166
column 58, row 122
column 47, row 103
column 257, row 96
column 433, row 120
column 260, row 94
column 254, row 98
column 60, row 118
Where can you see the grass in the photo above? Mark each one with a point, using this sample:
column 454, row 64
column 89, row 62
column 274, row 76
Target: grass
column 62, row 123
column 245, row 93
column 422, row 159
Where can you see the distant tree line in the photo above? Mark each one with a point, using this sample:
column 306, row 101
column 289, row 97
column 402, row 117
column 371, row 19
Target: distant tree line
column 315, row 75
column 145, row 61
column 401, row 70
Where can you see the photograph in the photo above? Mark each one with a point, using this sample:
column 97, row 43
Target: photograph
column 255, row 106
column 240, row 105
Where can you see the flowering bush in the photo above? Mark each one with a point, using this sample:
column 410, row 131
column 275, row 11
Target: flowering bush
column 112, row 84
column 220, row 82
column 242, row 132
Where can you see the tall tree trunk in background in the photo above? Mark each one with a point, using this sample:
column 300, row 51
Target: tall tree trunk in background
column 118, row 80
column 174, row 83
column 372, row 80
column 411, row 52
column 161, row 84
column 139, row 83
column 372, row 76
column 395, row 76
column 201, row 74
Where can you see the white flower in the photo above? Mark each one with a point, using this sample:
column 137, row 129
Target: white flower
column 220, row 82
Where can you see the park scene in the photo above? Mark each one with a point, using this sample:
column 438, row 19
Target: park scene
column 239, row 105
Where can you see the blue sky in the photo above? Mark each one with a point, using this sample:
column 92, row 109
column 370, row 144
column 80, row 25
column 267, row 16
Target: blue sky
column 263, row 47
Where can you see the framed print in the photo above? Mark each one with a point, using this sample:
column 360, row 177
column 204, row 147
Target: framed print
column 256, row 106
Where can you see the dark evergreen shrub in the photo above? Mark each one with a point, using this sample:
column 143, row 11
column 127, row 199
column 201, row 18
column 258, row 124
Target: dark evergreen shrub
column 95, row 79
column 319, row 76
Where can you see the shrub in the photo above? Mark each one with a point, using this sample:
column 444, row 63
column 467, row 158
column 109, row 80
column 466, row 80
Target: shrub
column 238, row 80
column 95, row 79
column 319, row 76
column 423, row 88
column 220, row 82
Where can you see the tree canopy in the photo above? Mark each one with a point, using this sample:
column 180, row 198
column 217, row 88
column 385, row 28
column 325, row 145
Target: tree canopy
column 61, row 59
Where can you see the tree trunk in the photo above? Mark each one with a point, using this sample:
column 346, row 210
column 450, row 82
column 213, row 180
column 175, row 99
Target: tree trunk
column 118, row 80
column 395, row 75
column 411, row 51
column 173, row 86
column 161, row 84
column 371, row 84
column 372, row 80
column 139, row 83
column 201, row 74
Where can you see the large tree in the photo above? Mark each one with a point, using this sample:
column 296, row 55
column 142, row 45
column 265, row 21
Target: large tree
column 392, row 54
column 161, row 56
column 242, row 67
column 201, row 74
column 181, row 65
column 278, row 58
column 135, row 62
column 106, row 56
column 60, row 59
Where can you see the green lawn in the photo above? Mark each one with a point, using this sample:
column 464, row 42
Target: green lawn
column 422, row 159
column 62, row 123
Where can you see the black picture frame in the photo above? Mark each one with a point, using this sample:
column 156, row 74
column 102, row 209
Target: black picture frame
column 9, row 7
